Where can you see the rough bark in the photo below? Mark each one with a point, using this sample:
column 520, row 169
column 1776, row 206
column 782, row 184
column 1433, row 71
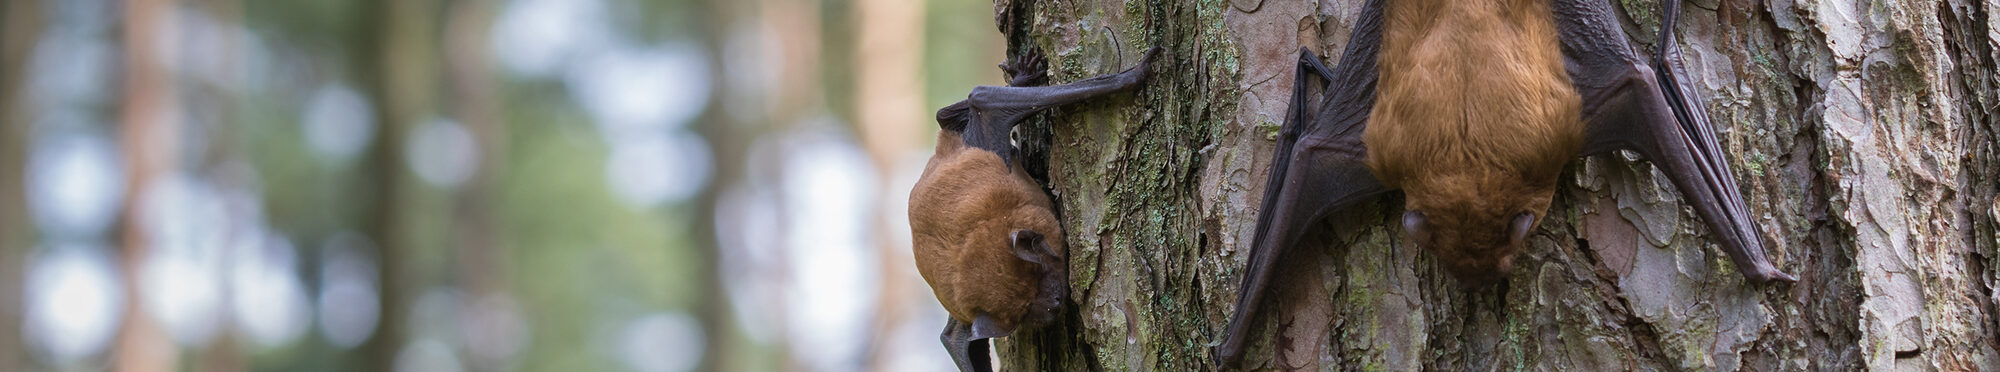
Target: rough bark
column 1862, row 133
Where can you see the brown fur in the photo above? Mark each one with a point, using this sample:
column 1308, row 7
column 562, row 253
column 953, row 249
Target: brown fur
column 963, row 211
column 1474, row 120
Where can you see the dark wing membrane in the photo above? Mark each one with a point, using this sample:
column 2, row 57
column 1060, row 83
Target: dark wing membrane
column 1630, row 105
column 995, row 110
column 1317, row 166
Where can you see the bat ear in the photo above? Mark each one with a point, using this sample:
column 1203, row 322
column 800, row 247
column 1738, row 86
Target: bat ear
column 1032, row 247
column 1416, row 226
column 984, row 326
column 1517, row 233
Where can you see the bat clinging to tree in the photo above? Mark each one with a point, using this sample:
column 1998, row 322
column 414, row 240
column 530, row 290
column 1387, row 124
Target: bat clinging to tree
column 985, row 236
column 1471, row 108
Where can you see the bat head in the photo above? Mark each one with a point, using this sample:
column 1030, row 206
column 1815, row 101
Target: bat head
column 1027, row 292
column 1474, row 227
column 1051, row 274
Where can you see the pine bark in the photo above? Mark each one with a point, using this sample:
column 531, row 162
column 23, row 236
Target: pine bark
column 1862, row 133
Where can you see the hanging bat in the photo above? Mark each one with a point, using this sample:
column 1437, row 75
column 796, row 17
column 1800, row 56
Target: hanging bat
column 985, row 236
column 1471, row 108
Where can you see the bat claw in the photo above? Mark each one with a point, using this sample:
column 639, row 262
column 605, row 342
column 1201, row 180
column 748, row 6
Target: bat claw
column 1788, row 278
column 1137, row 74
column 1770, row 275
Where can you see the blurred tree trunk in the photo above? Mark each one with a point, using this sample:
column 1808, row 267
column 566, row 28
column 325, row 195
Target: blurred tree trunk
column 20, row 26
column 1862, row 134
column 730, row 142
column 889, row 108
column 475, row 104
column 394, row 49
column 227, row 352
column 741, row 36
column 147, row 133
column 481, row 256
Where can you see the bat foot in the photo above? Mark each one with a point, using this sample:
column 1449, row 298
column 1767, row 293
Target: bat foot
column 1027, row 70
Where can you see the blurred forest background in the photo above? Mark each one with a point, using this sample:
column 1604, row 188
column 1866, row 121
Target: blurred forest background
column 472, row 185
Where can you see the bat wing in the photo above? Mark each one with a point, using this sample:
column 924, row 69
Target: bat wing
column 995, row 110
column 1631, row 105
column 1317, row 167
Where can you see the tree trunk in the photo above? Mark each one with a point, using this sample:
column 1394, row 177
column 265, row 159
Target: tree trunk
column 1861, row 132
column 20, row 27
column 148, row 135
column 394, row 59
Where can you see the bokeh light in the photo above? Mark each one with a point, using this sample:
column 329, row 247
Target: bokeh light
column 73, row 302
column 667, row 342
column 181, row 276
column 646, row 169
column 348, row 297
column 428, row 355
column 442, row 153
column 640, row 88
column 266, row 296
column 75, row 182
column 71, row 68
column 495, row 329
column 535, row 37
column 828, row 190
column 338, row 123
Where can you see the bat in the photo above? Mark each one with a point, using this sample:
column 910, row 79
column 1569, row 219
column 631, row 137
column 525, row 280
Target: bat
column 1471, row 108
column 985, row 237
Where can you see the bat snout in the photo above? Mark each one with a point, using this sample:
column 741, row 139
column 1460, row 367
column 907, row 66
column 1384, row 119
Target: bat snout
column 1465, row 247
column 1477, row 263
column 1475, row 272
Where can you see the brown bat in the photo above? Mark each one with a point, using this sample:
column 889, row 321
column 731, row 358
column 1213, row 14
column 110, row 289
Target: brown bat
column 985, row 236
column 1471, row 108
